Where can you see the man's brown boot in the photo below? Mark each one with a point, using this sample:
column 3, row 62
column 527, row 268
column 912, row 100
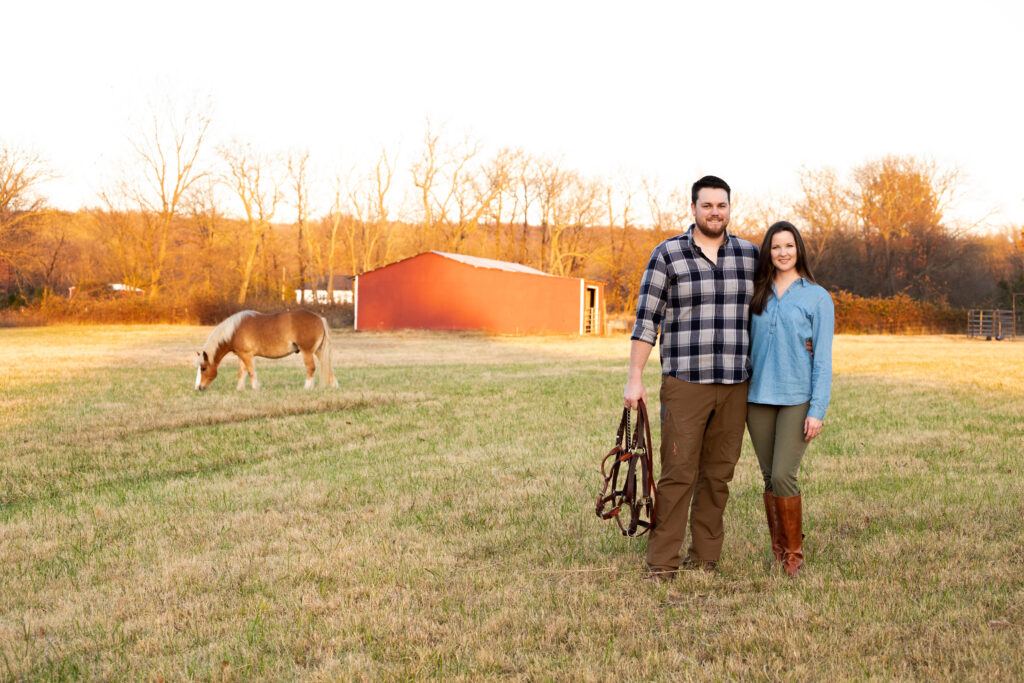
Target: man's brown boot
column 790, row 524
column 691, row 563
column 660, row 574
column 774, row 530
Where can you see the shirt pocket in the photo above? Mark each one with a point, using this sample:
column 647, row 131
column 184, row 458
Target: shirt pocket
column 689, row 290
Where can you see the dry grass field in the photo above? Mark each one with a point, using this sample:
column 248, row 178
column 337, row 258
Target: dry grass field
column 433, row 517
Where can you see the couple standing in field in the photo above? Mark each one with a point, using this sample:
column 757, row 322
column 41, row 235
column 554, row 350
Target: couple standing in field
column 746, row 338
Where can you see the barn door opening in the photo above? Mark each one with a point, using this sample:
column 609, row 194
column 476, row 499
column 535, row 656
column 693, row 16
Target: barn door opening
column 591, row 324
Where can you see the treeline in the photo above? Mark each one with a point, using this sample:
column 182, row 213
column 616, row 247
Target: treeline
column 194, row 227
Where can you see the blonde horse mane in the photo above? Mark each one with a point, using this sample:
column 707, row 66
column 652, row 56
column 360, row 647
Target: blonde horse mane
column 224, row 331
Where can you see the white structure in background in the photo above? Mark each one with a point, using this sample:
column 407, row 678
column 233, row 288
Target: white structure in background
column 112, row 288
column 121, row 287
column 342, row 292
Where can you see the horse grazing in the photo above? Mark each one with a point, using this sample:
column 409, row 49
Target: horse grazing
column 268, row 335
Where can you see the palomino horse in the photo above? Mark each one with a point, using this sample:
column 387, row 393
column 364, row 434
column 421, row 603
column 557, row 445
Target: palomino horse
column 268, row 335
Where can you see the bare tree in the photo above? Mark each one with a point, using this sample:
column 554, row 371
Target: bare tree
column 502, row 173
column 168, row 150
column 380, row 242
column 617, row 202
column 21, row 174
column 333, row 222
column 550, row 182
column 826, row 212
column 569, row 205
column 298, row 173
column 474, row 191
column 251, row 178
column 125, row 235
column 455, row 191
column 208, row 237
column 751, row 216
column 613, row 255
column 52, row 243
column 526, row 186
column 367, row 233
column 424, row 178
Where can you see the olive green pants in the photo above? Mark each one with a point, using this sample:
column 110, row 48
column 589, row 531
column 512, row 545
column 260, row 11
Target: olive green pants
column 777, row 433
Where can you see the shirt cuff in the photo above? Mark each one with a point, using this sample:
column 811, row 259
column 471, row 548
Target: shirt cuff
column 644, row 331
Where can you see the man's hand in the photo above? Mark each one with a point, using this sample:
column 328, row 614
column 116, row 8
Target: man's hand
column 812, row 427
column 634, row 391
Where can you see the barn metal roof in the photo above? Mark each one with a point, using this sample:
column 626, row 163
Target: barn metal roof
column 480, row 262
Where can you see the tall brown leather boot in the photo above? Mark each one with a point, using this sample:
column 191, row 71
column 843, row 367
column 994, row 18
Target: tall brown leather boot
column 790, row 524
column 774, row 530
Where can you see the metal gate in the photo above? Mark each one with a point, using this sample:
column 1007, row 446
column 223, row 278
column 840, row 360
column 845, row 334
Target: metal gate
column 995, row 323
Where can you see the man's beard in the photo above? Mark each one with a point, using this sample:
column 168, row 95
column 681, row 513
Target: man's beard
column 708, row 231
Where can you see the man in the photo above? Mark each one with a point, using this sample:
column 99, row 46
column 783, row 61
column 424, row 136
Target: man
column 696, row 289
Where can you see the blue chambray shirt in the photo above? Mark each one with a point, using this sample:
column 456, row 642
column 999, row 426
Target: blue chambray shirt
column 784, row 373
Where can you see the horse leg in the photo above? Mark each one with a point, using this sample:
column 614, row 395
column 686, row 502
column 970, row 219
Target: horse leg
column 250, row 368
column 307, row 358
column 241, row 375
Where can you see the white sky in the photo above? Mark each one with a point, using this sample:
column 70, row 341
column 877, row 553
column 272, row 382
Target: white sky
column 750, row 91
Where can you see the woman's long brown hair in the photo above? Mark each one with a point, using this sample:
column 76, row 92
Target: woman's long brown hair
column 765, row 275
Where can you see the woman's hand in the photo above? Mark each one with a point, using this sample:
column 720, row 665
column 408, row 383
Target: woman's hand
column 812, row 427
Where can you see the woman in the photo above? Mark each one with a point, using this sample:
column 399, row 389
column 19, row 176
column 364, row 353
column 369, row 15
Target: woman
column 791, row 325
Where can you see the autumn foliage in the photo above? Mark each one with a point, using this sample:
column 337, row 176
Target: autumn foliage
column 195, row 234
column 893, row 315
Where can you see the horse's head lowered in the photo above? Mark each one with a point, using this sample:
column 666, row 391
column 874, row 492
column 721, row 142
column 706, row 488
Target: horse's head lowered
column 206, row 371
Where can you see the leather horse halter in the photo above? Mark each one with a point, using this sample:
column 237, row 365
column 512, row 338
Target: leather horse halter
column 638, row 497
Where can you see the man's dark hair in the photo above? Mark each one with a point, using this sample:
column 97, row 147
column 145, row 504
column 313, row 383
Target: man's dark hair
column 710, row 181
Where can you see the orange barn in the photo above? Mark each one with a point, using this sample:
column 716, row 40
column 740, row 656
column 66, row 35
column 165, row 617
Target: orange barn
column 441, row 291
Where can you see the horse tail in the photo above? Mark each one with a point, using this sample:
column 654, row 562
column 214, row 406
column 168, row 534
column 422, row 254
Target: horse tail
column 324, row 355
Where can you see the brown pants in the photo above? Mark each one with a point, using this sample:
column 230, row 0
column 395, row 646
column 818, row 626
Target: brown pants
column 701, row 436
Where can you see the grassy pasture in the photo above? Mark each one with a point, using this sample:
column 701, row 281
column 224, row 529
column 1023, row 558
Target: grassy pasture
column 433, row 517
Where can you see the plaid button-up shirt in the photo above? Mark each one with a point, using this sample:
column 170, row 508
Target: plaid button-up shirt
column 701, row 308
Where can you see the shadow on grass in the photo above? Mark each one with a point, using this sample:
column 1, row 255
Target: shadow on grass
column 241, row 415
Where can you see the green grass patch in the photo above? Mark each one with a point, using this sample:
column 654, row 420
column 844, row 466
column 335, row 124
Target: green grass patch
column 433, row 517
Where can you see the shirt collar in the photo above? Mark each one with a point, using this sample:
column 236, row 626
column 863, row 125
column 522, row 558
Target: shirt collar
column 802, row 281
